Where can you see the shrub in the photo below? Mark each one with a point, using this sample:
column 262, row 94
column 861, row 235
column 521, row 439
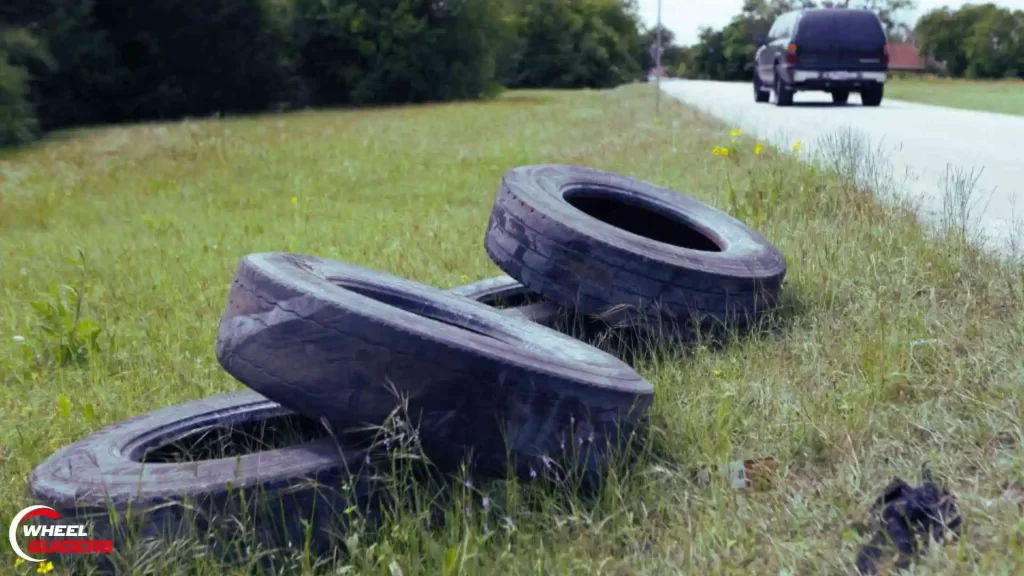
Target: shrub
column 575, row 44
column 17, row 122
column 193, row 57
column 395, row 51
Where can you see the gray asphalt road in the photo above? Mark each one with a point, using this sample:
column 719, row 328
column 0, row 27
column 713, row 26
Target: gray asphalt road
column 921, row 144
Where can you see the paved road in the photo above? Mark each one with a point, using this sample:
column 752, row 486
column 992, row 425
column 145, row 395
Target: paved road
column 919, row 142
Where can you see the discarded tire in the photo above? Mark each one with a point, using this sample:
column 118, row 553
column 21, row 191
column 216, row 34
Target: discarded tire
column 334, row 340
column 510, row 297
column 611, row 245
column 134, row 470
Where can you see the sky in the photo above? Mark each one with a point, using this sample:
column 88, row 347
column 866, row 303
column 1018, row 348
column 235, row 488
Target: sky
column 686, row 17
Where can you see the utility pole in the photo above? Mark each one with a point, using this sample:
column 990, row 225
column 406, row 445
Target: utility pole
column 657, row 66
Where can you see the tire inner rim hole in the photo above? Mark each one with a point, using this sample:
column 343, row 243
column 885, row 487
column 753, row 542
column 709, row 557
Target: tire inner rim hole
column 233, row 440
column 516, row 299
column 635, row 218
column 419, row 307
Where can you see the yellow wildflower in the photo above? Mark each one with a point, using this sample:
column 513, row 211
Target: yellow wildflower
column 717, row 373
column 295, row 201
column 758, row 148
column 735, row 133
column 797, row 145
column 722, row 151
column 19, row 562
column 45, row 568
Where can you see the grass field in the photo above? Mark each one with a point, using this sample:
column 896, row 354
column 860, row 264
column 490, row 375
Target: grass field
column 901, row 348
column 1006, row 96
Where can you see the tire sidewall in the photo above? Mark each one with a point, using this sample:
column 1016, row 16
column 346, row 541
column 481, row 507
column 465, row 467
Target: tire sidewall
column 541, row 188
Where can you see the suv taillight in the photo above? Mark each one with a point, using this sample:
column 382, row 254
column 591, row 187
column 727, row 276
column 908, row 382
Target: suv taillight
column 885, row 54
column 791, row 54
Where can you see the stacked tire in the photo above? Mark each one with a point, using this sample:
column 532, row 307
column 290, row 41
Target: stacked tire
column 333, row 348
column 616, row 247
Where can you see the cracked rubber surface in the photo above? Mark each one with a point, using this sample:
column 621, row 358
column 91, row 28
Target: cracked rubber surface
column 512, row 298
column 334, row 340
column 616, row 246
column 272, row 490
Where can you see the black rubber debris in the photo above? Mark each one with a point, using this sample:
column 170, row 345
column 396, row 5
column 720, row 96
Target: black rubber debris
column 905, row 517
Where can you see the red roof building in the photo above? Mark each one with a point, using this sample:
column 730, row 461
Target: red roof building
column 906, row 56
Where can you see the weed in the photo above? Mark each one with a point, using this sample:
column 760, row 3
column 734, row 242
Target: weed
column 65, row 335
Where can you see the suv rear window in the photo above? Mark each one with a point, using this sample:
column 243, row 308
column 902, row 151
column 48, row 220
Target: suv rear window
column 855, row 29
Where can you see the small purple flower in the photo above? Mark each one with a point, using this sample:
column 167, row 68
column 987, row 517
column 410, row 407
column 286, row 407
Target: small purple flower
column 486, row 503
column 533, row 473
column 469, row 484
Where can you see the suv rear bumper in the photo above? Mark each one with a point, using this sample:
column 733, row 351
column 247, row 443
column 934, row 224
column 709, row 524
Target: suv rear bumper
column 836, row 79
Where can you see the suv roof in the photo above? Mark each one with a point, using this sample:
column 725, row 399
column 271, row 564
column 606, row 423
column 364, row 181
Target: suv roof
column 827, row 27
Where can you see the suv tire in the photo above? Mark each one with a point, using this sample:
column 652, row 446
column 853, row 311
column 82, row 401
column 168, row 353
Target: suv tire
column 872, row 96
column 840, row 96
column 760, row 94
column 783, row 95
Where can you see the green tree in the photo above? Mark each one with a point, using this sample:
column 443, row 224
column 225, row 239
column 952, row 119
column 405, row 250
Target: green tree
column 17, row 120
column 709, row 59
column 361, row 51
column 72, row 69
column 576, row 43
column 994, row 46
column 191, row 57
column 979, row 41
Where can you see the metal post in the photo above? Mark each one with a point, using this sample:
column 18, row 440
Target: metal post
column 657, row 66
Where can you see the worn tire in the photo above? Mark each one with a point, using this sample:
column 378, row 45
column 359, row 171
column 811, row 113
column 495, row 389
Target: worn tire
column 105, row 480
column 510, row 297
column 760, row 94
column 615, row 246
column 334, row 340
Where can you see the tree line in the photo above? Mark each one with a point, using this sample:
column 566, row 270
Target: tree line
column 982, row 41
column 977, row 41
column 79, row 62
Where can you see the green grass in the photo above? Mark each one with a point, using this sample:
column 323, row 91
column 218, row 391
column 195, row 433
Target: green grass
column 1006, row 96
column 900, row 348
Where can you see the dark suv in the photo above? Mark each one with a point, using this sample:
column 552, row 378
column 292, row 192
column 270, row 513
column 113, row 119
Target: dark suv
column 834, row 50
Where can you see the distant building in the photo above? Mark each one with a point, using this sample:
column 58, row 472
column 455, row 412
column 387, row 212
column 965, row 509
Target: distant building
column 655, row 72
column 905, row 57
